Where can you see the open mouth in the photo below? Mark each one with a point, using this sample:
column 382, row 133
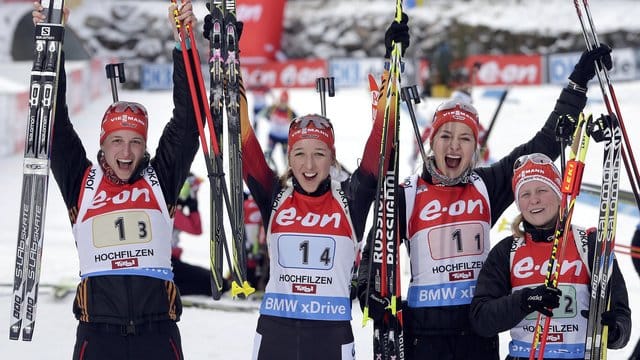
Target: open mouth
column 452, row 161
column 124, row 164
column 309, row 176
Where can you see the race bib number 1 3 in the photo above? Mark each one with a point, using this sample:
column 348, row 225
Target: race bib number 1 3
column 131, row 227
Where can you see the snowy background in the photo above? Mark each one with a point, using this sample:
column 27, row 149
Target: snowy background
column 209, row 334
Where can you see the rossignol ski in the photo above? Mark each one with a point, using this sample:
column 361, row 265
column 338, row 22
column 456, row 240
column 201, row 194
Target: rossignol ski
column 49, row 36
column 384, row 264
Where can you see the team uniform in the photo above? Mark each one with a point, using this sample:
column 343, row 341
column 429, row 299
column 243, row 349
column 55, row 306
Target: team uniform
column 446, row 229
column 127, row 303
column 515, row 263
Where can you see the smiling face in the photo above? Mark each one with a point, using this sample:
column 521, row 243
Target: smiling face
column 310, row 161
column 453, row 147
column 538, row 203
column 123, row 152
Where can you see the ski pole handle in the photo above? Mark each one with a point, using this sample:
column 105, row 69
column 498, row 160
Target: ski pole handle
column 324, row 85
column 115, row 71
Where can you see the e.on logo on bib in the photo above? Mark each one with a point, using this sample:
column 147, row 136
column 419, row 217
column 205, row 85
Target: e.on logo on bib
column 290, row 217
column 526, row 268
column 132, row 198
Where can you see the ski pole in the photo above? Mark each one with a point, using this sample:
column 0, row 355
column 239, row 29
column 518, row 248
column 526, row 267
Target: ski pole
column 324, row 85
column 610, row 96
column 409, row 95
column 115, row 71
column 484, row 140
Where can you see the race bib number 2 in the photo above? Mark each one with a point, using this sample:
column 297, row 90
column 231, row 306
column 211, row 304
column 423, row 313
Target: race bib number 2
column 131, row 227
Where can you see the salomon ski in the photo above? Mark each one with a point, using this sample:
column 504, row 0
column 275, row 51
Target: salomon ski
column 49, row 36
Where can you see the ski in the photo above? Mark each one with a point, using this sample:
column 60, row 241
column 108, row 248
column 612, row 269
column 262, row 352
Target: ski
column 49, row 36
column 232, row 107
column 384, row 265
column 201, row 104
column 596, row 341
column 570, row 189
column 216, row 96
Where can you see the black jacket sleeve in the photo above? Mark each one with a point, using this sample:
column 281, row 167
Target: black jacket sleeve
column 619, row 300
column 497, row 177
column 68, row 157
column 179, row 141
column 494, row 308
column 360, row 190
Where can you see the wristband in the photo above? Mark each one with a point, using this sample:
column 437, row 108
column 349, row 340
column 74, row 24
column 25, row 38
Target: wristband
column 179, row 47
column 576, row 87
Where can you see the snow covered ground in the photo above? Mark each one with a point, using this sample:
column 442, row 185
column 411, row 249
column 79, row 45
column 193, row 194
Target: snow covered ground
column 209, row 334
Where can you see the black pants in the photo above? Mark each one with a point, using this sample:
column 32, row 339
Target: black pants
column 158, row 340
column 292, row 339
column 451, row 347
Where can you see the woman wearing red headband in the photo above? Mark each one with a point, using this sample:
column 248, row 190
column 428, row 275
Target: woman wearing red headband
column 509, row 294
column 313, row 224
column 121, row 208
column 446, row 212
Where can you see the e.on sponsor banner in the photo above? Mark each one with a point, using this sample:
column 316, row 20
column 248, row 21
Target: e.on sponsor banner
column 507, row 69
column 262, row 21
column 290, row 74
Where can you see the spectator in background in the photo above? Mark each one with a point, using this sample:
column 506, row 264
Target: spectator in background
column 257, row 261
column 190, row 279
column 279, row 116
column 261, row 94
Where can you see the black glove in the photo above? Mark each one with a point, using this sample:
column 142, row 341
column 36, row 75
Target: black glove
column 208, row 26
column 607, row 318
column 585, row 69
column 565, row 127
column 541, row 298
column 397, row 32
column 377, row 306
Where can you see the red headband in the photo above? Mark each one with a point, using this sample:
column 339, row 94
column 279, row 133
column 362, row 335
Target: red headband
column 124, row 115
column 455, row 110
column 311, row 127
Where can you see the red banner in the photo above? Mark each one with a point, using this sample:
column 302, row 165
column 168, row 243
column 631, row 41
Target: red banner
column 507, row 69
column 288, row 74
column 262, row 29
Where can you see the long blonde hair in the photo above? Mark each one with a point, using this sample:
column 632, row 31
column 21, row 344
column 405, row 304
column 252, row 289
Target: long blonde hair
column 517, row 228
